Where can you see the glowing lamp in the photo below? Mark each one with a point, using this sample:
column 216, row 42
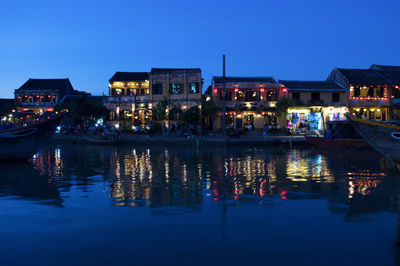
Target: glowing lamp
column 262, row 89
column 236, row 89
column 215, row 90
column 284, row 90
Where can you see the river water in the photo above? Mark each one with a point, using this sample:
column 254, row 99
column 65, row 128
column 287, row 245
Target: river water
column 136, row 205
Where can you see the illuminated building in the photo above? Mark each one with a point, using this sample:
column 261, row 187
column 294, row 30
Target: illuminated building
column 40, row 95
column 319, row 102
column 371, row 91
column 134, row 94
column 129, row 96
column 249, row 100
column 392, row 74
column 182, row 87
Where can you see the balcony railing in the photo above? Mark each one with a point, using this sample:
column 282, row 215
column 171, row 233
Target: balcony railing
column 368, row 101
column 127, row 99
column 34, row 104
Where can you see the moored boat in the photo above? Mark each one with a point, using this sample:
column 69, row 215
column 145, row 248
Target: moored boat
column 104, row 140
column 339, row 134
column 24, row 142
column 384, row 137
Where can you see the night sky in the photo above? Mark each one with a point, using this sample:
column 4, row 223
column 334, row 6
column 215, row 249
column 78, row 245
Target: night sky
column 87, row 41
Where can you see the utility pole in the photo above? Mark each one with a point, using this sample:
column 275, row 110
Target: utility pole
column 223, row 124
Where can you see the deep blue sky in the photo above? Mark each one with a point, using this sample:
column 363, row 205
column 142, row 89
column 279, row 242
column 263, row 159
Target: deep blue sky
column 88, row 41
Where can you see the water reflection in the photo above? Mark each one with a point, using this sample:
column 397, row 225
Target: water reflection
column 354, row 182
column 23, row 181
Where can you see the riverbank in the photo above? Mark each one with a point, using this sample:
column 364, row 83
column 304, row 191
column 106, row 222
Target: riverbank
column 249, row 140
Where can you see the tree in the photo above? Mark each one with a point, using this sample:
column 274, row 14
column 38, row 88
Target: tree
column 209, row 109
column 160, row 110
column 83, row 109
column 283, row 105
column 191, row 116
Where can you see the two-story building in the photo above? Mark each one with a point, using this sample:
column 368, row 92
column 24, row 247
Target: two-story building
column 134, row 94
column 248, row 100
column 41, row 95
column 129, row 97
column 368, row 93
column 318, row 103
column 392, row 75
column 182, row 87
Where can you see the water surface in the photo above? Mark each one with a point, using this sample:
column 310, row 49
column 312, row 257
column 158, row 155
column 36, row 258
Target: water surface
column 137, row 205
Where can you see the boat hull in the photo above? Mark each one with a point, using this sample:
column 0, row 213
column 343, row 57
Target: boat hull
column 335, row 143
column 382, row 137
column 23, row 143
column 99, row 141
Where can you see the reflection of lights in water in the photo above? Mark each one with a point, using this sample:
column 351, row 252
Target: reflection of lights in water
column 363, row 182
column 301, row 169
column 184, row 173
column 57, row 163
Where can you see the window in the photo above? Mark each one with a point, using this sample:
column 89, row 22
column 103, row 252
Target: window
column 240, row 96
column 228, row 95
column 315, row 96
column 194, row 87
column 252, row 96
column 271, row 96
column 335, row 97
column 296, row 96
column 176, row 88
column 141, row 91
column 364, row 91
column 157, row 89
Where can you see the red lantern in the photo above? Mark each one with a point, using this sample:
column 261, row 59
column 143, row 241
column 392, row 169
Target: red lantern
column 236, row 89
column 262, row 89
column 215, row 90
column 284, row 90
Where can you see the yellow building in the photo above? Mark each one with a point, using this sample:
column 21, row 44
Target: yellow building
column 368, row 93
column 129, row 97
column 132, row 95
column 248, row 101
column 182, row 87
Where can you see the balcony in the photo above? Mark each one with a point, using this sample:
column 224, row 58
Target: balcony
column 127, row 99
column 368, row 101
column 35, row 104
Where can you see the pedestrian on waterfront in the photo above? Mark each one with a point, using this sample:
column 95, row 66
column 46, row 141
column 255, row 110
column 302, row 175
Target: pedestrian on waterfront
column 164, row 129
column 266, row 127
column 253, row 128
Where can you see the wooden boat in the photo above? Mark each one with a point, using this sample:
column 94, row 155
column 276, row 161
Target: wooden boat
column 384, row 137
column 334, row 143
column 24, row 142
column 104, row 140
column 342, row 134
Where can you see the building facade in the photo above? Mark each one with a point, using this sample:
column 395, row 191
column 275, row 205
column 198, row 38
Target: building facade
column 318, row 103
column 249, row 101
column 133, row 95
column 392, row 75
column 129, row 97
column 182, row 87
column 368, row 93
column 41, row 95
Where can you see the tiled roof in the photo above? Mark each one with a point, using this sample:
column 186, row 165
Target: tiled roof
column 219, row 79
column 154, row 70
column 393, row 76
column 384, row 67
column 295, row 85
column 363, row 76
column 47, row 84
column 130, row 76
